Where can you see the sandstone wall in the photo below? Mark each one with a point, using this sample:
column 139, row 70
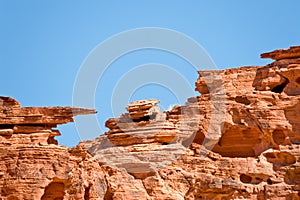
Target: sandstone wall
column 240, row 139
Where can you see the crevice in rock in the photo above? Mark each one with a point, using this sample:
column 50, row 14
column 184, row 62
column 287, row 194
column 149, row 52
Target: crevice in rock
column 227, row 147
column 242, row 100
column 147, row 190
column 51, row 140
column 87, row 193
column 245, row 178
column 54, row 191
column 280, row 158
column 278, row 136
column 269, row 181
column 279, row 88
column 190, row 191
column 253, row 178
column 199, row 138
column 144, row 118
column 6, row 126
column 297, row 80
column 108, row 194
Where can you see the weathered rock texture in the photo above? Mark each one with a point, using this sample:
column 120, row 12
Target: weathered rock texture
column 32, row 166
column 239, row 140
column 33, row 125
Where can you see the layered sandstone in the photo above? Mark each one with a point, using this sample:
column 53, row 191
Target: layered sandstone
column 292, row 52
column 34, row 125
column 32, row 166
column 240, row 139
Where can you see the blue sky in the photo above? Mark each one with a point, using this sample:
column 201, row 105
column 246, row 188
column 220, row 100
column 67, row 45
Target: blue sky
column 44, row 43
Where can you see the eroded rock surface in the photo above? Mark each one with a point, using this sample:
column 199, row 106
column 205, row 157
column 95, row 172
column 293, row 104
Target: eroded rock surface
column 32, row 165
column 240, row 139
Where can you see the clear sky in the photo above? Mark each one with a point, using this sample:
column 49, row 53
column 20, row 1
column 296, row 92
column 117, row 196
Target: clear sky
column 44, row 43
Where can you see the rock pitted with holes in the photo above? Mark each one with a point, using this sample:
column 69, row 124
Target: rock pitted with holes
column 174, row 154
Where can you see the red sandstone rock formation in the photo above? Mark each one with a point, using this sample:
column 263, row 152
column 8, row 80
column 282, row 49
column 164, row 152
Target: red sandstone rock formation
column 239, row 140
column 30, row 123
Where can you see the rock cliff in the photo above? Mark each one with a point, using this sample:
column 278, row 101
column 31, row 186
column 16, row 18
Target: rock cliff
column 240, row 139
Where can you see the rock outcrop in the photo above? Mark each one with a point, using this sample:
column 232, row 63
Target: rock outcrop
column 32, row 165
column 33, row 125
column 292, row 52
column 240, row 139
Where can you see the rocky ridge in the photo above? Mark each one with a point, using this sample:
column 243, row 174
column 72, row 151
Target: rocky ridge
column 240, row 139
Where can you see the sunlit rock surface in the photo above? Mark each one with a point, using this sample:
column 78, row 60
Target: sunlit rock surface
column 239, row 139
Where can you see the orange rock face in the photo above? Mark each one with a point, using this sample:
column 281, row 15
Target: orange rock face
column 292, row 52
column 240, row 139
column 32, row 166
